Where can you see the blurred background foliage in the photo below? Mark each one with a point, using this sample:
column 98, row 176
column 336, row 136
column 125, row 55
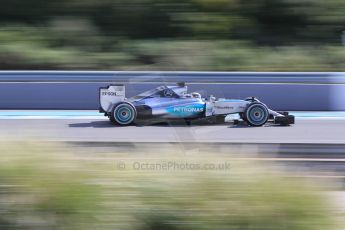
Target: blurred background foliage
column 47, row 187
column 252, row 35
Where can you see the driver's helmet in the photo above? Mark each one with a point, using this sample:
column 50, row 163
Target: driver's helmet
column 196, row 95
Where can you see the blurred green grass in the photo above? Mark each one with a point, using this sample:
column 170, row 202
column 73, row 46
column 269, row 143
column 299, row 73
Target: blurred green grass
column 43, row 186
column 37, row 48
column 219, row 35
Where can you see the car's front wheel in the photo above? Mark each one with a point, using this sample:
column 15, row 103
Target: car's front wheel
column 256, row 114
column 123, row 114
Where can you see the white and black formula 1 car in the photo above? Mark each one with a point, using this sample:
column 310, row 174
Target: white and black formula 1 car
column 174, row 102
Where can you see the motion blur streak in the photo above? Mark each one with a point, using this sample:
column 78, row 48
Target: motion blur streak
column 114, row 185
column 48, row 187
column 251, row 35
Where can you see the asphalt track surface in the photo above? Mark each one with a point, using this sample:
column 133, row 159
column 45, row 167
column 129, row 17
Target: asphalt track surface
column 305, row 131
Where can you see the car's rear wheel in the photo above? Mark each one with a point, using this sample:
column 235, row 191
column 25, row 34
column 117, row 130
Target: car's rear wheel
column 123, row 114
column 256, row 114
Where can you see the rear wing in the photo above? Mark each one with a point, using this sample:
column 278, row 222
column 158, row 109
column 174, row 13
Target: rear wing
column 108, row 96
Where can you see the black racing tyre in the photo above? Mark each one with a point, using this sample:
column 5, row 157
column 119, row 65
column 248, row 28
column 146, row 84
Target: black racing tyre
column 111, row 118
column 256, row 114
column 123, row 114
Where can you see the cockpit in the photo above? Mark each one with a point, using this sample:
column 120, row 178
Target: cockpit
column 161, row 91
column 179, row 91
